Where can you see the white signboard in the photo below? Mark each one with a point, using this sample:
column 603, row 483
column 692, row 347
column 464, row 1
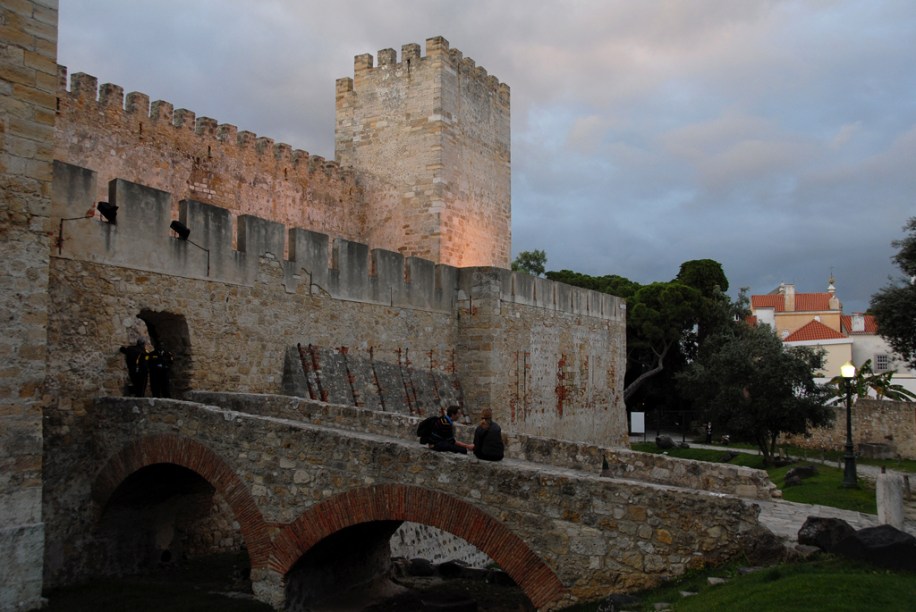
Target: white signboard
column 638, row 422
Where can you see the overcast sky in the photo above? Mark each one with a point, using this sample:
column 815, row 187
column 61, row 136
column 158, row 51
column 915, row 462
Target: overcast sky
column 777, row 138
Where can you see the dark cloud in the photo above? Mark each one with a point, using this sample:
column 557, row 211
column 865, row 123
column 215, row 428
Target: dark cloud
column 777, row 138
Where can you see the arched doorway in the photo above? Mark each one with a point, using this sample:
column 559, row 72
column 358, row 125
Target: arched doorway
column 162, row 515
column 169, row 332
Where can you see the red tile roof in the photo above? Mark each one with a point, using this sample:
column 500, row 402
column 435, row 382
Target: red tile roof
column 814, row 330
column 871, row 325
column 804, row 302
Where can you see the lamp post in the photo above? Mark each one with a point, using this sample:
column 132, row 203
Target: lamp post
column 848, row 371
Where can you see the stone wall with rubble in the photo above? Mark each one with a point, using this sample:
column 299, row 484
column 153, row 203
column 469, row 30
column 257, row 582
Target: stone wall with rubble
column 881, row 429
column 28, row 30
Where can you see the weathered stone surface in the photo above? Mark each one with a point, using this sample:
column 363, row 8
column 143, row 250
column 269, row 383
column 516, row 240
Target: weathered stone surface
column 883, row 545
column 360, row 478
column 824, row 532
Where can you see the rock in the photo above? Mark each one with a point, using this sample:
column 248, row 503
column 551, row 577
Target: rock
column 499, row 577
column 884, row 546
column 825, row 533
column 455, row 569
column 727, row 457
column 765, row 548
column 801, row 472
column 445, row 601
column 804, row 551
column 420, row 567
column 664, row 442
column 714, row 581
column 792, row 481
column 617, row 602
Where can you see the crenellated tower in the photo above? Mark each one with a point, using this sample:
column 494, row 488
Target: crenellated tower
column 429, row 138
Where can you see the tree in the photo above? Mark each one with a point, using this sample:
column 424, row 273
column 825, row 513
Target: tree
column 894, row 306
column 703, row 274
column 754, row 388
column 660, row 316
column 665, row 321
column 532, row 262
column 868, row 380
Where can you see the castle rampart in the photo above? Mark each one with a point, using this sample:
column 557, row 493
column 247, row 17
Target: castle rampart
column 442, row 126
column 196, row 158
column 363, row 259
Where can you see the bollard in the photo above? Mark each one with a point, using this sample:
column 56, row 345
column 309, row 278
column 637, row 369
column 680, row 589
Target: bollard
column 889, row 493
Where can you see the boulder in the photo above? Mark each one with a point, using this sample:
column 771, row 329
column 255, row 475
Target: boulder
column 420, row 567
column 801, row 472
column 825, row 533
column 884, row 546
column 664, row 442
column 617, row 602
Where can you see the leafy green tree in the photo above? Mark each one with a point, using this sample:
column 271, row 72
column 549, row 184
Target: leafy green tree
column 754, row 388
column 868, row 380
column 610, row 283
column 894, row 306
column 660, row 317
column 703, row 274
column 532, row 262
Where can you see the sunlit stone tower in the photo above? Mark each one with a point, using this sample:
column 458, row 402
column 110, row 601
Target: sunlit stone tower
column 429, row 136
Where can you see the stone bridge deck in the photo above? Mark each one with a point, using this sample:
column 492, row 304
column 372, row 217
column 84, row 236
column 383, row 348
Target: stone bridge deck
column 568, row 522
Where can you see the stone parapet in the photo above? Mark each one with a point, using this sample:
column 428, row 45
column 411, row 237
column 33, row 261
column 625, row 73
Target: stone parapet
column 292, row 484
column 593, row 459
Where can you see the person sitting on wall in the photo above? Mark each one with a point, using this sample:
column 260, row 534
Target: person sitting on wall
column 443, row 433
column 488, row 438
column 133, row 353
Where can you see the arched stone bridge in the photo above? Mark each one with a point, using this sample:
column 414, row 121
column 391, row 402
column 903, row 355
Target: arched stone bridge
column 567, row 522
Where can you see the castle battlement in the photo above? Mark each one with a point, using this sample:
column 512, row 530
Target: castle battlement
column 197, row 157
column 315, row 262
column 437, row 49
column 87, row 95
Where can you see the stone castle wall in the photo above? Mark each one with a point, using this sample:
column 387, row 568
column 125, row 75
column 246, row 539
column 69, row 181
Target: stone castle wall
column 233, row 315
column 251, row 283
column 429, row 139
column 197, row 158
column 886, row 424
column 27, row 86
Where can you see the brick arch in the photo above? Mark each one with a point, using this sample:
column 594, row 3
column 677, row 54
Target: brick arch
column 415, row 504
column 194, row 456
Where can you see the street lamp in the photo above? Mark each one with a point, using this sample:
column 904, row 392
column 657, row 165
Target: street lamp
column 848, row 371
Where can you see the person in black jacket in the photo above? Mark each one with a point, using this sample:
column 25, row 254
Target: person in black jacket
column 133, row 354
column 488, row 438
column 443, row 433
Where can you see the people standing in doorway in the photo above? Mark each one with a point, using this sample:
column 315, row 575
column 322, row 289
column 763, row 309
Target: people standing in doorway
column 133, row 353
column 488, row 438
column 157, row 363
column 443, row 433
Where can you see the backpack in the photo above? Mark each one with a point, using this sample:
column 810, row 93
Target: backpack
column 425, row 429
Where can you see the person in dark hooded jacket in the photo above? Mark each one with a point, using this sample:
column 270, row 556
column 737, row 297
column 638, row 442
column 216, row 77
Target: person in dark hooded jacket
column 488, row 438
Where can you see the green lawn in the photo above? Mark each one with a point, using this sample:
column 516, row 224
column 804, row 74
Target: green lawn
column 824, row 489
column 827, row 583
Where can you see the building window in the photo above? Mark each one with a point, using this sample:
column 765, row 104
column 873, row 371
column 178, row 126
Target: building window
column 882, row 362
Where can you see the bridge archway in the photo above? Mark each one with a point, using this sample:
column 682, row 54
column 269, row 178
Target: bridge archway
column 185, row 453
column 392, row 502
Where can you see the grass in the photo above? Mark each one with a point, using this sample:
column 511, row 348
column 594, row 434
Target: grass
column 828, row 583
column 824, row 489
